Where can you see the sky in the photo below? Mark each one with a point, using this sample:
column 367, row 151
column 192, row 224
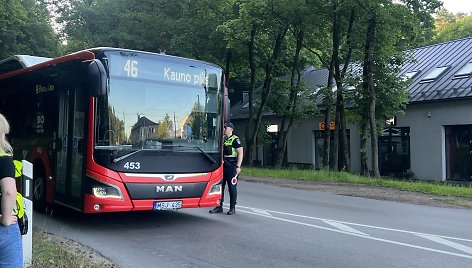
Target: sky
column 455, row 6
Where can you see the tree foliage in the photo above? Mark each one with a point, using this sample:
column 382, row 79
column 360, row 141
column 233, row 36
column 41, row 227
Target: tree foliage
column 165, row 128
column 382, row 92
column 263, row 46
column 451, row 27
column 25, row 29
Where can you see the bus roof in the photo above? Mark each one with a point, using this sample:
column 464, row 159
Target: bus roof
column 17, row 62
column 99, row 49
column 23, row 63
column 37, row 63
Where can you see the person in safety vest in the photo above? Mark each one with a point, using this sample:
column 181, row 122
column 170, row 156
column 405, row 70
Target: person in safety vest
column 11, row 252
column 233, row 158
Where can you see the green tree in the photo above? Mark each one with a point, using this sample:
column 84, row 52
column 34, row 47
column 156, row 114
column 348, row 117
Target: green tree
column 185, row 28
column 382, row 93
column 144, row 25
column 260, row 28
column 258, row 41
column 443, row 18
column 164, row 128
column 25, row 29
column 116, row 133
column 451, row 28
column 198, row 120
column 288, row 103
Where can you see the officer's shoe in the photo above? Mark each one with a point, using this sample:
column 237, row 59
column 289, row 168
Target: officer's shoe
column 231, row 211
column 216, row 210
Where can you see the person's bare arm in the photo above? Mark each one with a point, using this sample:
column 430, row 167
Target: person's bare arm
column 8, row 186
column 240, row 152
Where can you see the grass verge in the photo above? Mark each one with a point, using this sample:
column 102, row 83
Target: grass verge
column 52, row 251
column 426, row 187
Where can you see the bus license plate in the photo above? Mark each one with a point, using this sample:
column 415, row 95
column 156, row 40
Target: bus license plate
column 167, row 205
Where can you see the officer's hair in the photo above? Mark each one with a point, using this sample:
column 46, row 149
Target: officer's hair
column 5, row 147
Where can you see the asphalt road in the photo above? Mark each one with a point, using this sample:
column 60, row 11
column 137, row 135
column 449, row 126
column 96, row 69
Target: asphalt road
column 277, row 227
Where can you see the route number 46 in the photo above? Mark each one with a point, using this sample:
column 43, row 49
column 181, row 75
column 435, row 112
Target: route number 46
column 131, row 68
column 132, row 165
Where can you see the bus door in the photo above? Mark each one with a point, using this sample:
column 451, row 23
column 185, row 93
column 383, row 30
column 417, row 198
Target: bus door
column 71, row 129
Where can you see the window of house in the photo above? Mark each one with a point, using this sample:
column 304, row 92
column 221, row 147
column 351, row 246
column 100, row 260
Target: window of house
column 435, row 73
column 464, row 71
column 409, row 75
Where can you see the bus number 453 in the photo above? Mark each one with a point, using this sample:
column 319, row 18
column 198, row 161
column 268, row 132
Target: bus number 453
column 132, row 165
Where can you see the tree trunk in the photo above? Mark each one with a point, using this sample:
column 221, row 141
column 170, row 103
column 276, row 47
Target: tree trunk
column 346, row 163
column 347, row 59
column 328, row 101
column 288, row 118
column 340, row 134
column 369, row 64
column 363, row 149
column 269, row 68
column 336, row 29
column 250, row 122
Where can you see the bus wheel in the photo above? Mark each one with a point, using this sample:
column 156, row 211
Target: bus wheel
column 39, row 189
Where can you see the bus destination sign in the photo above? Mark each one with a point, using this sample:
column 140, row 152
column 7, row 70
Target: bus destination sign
column 156, row 69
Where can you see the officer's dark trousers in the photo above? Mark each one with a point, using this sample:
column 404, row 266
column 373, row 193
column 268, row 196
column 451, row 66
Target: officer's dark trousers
column 230, row 178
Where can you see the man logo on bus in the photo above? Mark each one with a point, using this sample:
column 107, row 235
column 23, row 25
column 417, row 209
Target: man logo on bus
column 170, row 188
column 169, row 177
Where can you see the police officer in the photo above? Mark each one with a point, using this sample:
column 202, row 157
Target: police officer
column 233, row 158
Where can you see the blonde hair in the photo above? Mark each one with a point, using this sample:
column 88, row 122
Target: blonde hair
column 5, row 146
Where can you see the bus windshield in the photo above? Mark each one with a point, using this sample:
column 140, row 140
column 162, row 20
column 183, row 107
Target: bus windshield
column 158, row 103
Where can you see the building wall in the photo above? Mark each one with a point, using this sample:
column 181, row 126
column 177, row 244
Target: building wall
column 427, row 139
column 356, row 149
column 301, row 143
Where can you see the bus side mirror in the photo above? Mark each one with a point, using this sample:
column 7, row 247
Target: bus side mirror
column 96, row 80
column 212, row 82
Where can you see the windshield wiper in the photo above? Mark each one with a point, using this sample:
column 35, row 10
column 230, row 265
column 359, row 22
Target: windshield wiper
column 213, row 161
column 126, row 156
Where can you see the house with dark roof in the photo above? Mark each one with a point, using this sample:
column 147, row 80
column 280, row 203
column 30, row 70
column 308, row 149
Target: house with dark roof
column 432, row 140
column 143, row 129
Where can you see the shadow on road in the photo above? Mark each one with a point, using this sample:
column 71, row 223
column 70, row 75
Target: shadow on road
column 122, row 220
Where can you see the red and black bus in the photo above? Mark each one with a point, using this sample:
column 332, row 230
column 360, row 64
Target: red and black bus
column 112, row 129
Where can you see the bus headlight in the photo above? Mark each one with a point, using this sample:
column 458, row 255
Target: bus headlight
column 101, row 189
column 215, row 188
column 106, row 192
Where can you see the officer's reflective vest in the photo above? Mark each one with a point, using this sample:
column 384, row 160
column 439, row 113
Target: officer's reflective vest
column 229, row 143
column 20, row 205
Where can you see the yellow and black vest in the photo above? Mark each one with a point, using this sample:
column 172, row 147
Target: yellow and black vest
column 229, row 150
column 20, row 205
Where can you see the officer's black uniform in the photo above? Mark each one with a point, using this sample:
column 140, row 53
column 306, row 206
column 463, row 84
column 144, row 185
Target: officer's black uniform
column 230, row 176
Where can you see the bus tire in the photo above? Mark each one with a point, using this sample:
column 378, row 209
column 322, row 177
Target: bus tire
column 39, row 188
